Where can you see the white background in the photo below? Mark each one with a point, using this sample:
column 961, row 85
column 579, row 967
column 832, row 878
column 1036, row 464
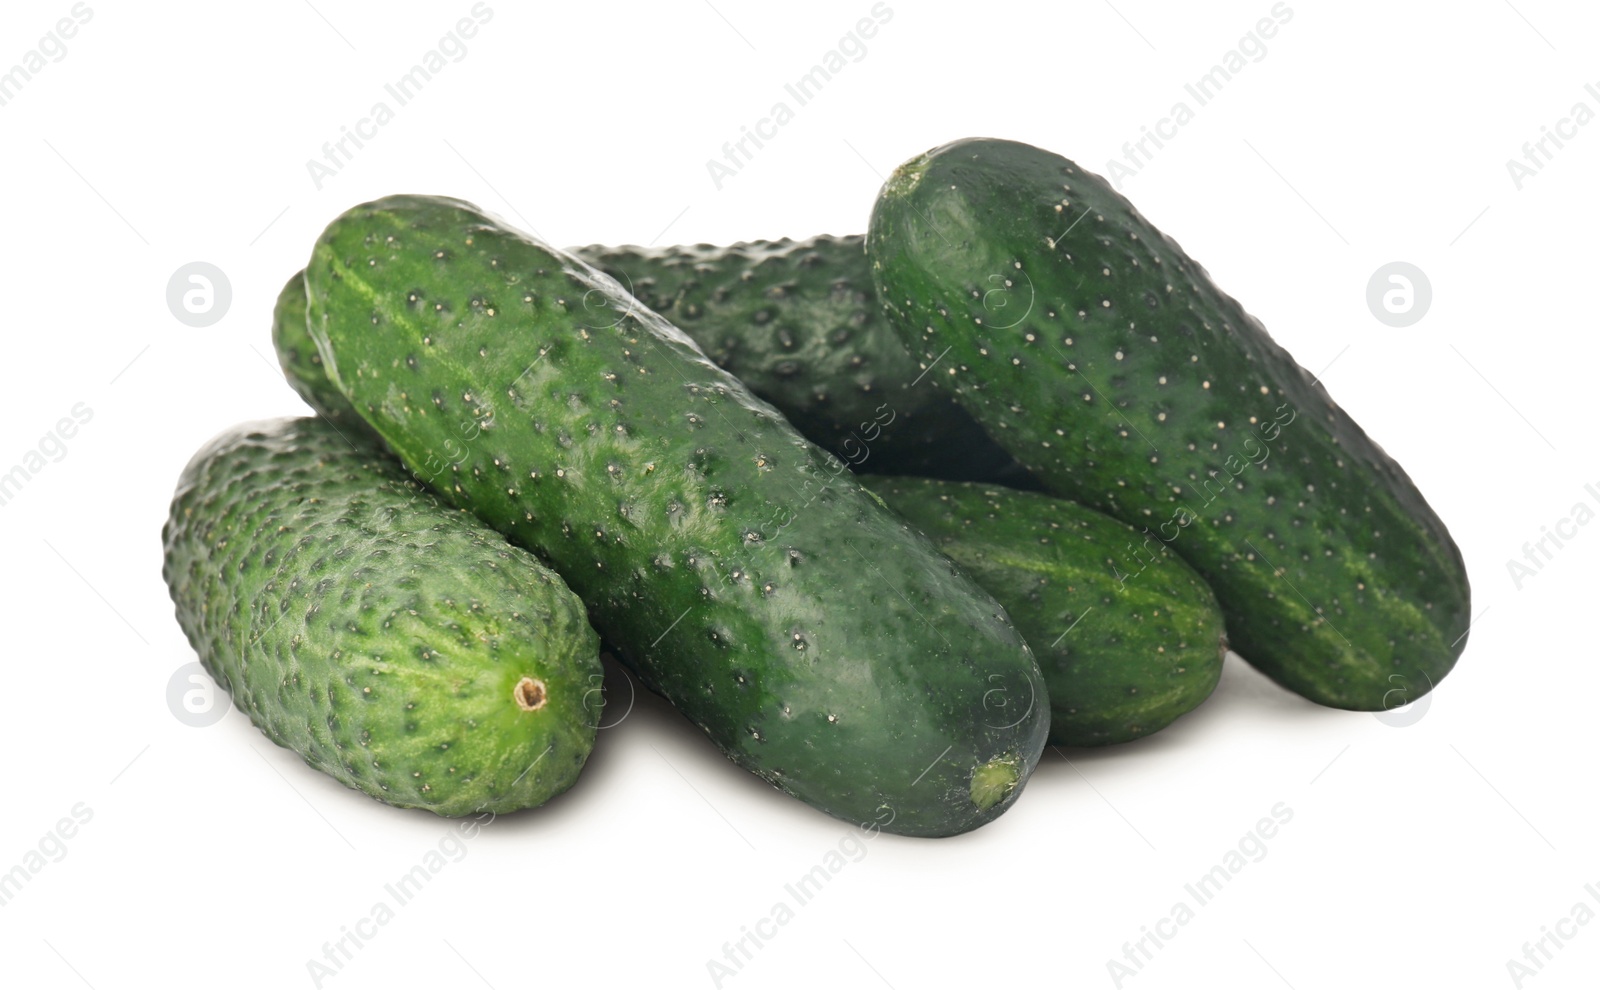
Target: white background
column 1418, row 855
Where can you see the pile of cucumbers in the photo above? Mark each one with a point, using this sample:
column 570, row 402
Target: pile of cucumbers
column 884, row 515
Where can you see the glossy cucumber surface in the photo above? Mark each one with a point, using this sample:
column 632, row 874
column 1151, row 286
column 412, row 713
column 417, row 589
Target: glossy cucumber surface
column 1102, row 356
column 740, row 570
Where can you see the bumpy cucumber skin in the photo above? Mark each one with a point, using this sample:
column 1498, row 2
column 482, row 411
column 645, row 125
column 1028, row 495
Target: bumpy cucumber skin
column 741, row 571
column 1127, row 635
column 375, row 631
column 302, row 364
column 1105, row 360
column 799, row 323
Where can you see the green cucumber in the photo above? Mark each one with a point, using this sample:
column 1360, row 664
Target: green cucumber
column 796, row 321
column 1094, row 349
column 740, row 570
column 799, row 323
column 396, row 644
column 1123, row 652
column 302, row 364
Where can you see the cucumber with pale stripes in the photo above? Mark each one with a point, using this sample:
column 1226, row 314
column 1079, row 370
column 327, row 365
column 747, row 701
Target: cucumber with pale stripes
column 1127, row 635
column 1103, row 357
column 739, row 569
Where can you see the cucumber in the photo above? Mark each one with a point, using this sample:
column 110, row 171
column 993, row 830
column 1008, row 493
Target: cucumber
column 799, row 323
column 396, row 644
column 740, row 570
column 1095, row 350
column 302, row 364
column 1127, row 635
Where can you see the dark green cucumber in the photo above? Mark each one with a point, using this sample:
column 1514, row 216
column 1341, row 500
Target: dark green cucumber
column 396, row 644
column 799, row 323
column 740, row 570
column 1127, row 635
column 1096, row 351
column 302, row 365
